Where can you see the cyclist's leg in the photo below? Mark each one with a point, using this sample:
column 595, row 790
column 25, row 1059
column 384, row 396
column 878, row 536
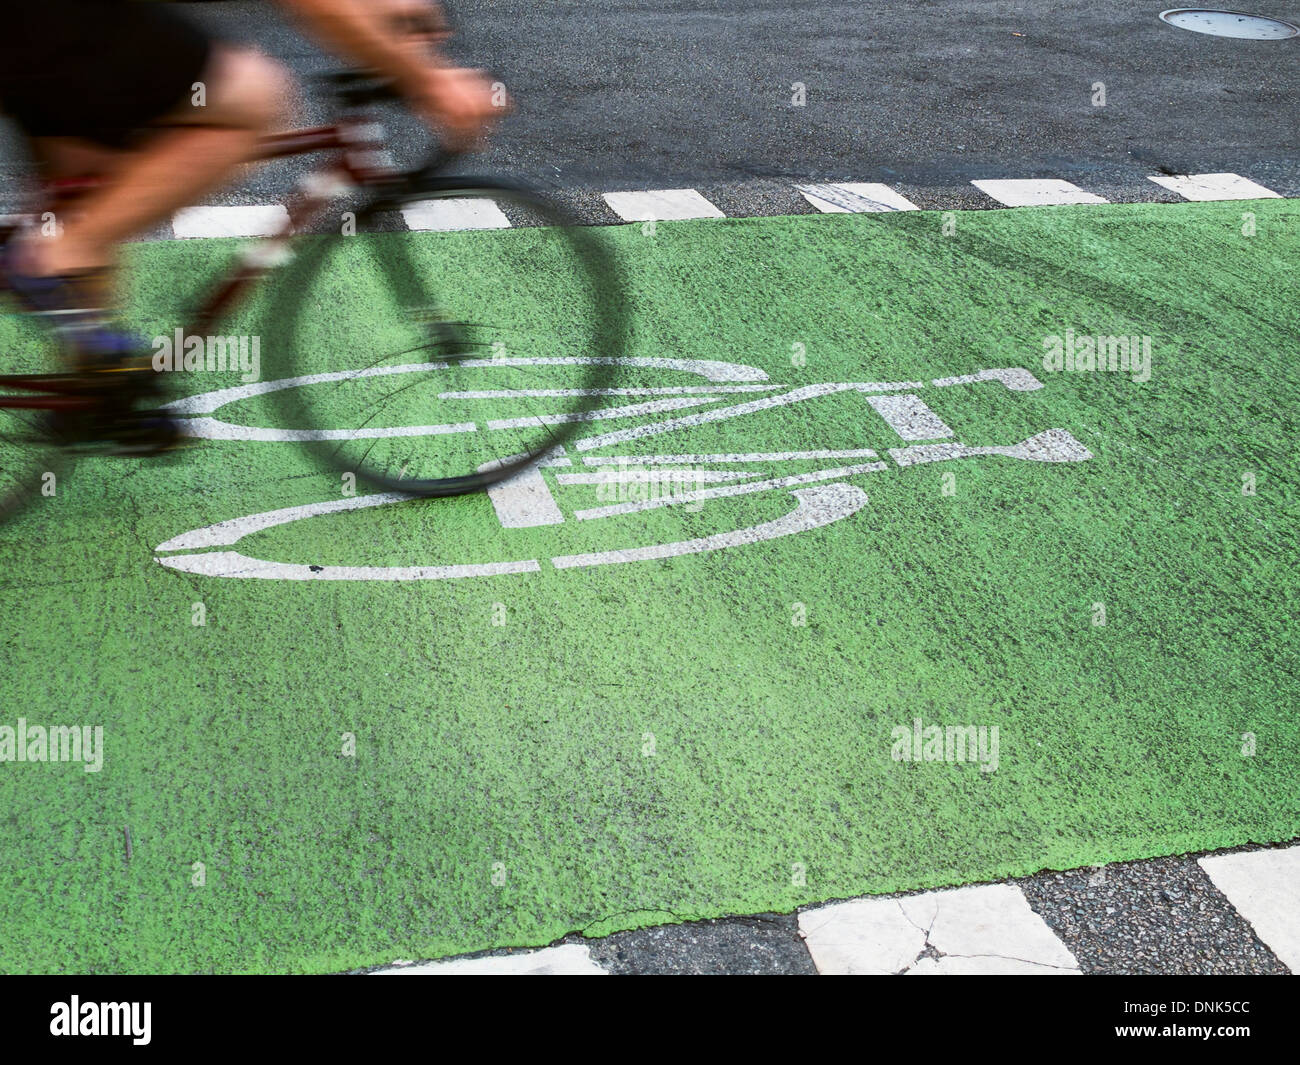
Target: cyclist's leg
column 186, row 153
column 122, row 76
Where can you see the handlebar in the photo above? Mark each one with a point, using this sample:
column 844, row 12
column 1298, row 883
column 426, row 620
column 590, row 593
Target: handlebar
column 357, row 89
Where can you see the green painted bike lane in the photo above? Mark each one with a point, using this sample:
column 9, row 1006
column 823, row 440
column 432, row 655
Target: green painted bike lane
column 333, row 773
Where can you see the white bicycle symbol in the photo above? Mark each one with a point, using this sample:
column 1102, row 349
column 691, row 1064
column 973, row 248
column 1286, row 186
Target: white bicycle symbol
column 821, row 496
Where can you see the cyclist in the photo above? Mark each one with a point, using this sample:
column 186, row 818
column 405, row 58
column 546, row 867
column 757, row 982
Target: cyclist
column 139, row 97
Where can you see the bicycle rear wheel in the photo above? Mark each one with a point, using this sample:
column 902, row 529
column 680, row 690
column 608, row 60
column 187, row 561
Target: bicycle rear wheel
column 437, row 363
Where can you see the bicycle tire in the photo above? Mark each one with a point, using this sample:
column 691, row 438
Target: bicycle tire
column 577, row 361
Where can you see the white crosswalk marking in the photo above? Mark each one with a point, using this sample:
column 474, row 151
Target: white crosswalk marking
column 1214, row 187
column 466, row 213
column 1035, row 192
column 570, row 959
column 1264, row 886
column 460, row 212
column 985, row 929
column 855, row 197
column 661, row 205
column 262, row 220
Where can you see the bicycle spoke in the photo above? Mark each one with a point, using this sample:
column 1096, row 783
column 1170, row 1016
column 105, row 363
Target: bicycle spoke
column 481, row 391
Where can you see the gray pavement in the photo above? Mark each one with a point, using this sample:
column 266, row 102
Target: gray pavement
column 662, row 94
column 1160, row 916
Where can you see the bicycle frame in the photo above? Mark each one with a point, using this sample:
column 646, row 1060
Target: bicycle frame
column 360, row 160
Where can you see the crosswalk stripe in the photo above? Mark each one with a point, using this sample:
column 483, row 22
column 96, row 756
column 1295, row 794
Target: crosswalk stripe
column 570, row 959
column 660, row 205
column 463, row 212
column 855, row 197
column 983, row 929
column 987, row 929
column 1035, row 192
column 1214, row 187
column 1264, row 886
column 262, row 220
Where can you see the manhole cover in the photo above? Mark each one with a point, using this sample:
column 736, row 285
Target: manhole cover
column 1229, row 23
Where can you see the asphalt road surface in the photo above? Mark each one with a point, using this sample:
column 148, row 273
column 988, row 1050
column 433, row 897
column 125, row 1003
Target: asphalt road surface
column 637, row 95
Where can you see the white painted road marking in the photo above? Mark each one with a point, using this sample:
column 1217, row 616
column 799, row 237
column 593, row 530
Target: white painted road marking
column 909, row 417
column 704, row 494
column 235, row 564
column 207, row 402
column 1214, row 187
column 564, row 393
column 1264, row 886
column 1051, row 445
column 571, row 959
column 818, row 506
column 661, row 205
column 453, row 213
column 213, row 428
column 855, row 197
column 635, row 476
column 1035, row 192
column 985, row 929
column 632, row 410
column 749, row 456
column 876, row 935
column 460, row 213
column 795, row 395
column 1013, row 377
column 524, row 501
column 216, row 429
column 226, row 533
column 709, row 369
column 264, row 220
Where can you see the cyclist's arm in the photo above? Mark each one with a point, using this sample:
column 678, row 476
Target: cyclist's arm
column 363, row 31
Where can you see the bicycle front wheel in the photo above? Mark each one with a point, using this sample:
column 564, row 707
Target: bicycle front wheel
column 475, row 337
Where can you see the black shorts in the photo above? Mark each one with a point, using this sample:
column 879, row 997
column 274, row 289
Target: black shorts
column 98, row 69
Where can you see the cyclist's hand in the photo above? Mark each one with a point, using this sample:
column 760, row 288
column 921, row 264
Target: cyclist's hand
column 458, row 103
column 399, row 39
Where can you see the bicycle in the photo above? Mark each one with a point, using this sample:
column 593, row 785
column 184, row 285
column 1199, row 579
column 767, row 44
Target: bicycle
column 532, row 325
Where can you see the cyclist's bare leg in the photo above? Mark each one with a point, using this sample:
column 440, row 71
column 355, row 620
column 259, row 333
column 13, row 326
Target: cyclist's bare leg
column 69, row 157
column 195, row 149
